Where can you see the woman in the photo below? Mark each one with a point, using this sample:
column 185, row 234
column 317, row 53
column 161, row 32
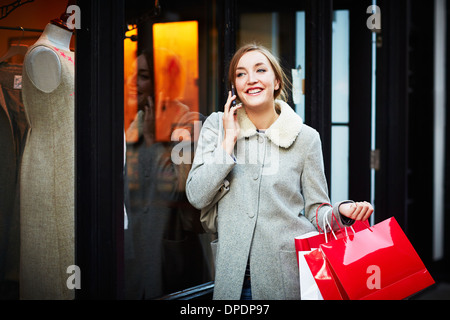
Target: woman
column 275, row 168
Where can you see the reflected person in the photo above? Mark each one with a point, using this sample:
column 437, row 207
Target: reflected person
column 163, row 253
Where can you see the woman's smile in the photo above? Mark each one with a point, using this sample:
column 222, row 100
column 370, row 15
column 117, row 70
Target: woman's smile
column 254, row 91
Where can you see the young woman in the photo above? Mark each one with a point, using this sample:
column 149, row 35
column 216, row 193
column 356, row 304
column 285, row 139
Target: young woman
column 274, row 165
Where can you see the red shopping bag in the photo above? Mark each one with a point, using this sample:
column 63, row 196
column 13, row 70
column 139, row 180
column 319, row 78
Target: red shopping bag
column 377, row 262
column 322, row 275
column 319, row 277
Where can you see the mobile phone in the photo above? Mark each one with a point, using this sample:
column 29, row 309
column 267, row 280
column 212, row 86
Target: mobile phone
column 233, row 92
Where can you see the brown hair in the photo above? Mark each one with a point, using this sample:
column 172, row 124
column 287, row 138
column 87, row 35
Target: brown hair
column 280, row 75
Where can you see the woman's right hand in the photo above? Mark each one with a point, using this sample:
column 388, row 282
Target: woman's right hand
column 149, row 122
column 230, row 124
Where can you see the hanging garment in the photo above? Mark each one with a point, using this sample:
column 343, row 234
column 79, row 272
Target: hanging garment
column 13, row 127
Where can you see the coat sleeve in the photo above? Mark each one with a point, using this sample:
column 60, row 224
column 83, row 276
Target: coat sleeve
column 211, row 164
column 315, row 189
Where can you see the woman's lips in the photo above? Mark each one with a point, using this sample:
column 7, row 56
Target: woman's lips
column 254, row 91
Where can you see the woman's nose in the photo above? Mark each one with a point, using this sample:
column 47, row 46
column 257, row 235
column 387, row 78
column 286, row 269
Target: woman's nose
column 252, row 78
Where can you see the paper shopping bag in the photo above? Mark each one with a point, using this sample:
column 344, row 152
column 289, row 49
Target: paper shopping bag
column 316, row 279
column 378, row 262
column 308, row 286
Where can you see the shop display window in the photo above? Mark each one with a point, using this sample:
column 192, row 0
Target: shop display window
column 37, row 175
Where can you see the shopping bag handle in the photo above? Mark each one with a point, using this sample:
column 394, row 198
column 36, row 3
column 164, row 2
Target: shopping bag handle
column 317, row 213
column 325, row 223
column 332, row 216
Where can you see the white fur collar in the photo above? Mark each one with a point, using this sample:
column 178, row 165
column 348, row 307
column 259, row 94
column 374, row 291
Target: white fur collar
column 282, row 132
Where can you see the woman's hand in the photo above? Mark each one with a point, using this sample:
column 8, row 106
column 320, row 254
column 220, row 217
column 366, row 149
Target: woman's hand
column 149, row 122
column 230, row 124
column 356, row 211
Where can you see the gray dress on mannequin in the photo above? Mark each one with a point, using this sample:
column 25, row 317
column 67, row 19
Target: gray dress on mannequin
column 47, row 170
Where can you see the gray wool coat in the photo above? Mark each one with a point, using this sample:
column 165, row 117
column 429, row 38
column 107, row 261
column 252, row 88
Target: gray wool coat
column 277, row 182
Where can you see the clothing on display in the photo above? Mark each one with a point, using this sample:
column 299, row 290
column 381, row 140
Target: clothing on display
column 13, row 128
column 47, row 171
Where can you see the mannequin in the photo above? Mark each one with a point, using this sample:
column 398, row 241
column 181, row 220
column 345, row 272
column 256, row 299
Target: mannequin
column 47, row 169
column 42, row 63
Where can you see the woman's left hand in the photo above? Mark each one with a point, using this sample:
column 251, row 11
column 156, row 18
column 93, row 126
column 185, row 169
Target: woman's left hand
column 356, row 211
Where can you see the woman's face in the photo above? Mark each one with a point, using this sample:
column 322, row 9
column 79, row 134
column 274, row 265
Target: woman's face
column 143, row 81
column 255, row 80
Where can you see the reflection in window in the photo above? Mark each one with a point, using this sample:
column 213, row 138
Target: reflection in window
column 166, row 249
column 176, row 76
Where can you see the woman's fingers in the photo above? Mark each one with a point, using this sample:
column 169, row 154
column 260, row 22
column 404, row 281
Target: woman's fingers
column 356, row 211
column 230, row 124
column 234, row 109
column 228, row 103
column 369, row 211
column 230, row 110
column 362, row 211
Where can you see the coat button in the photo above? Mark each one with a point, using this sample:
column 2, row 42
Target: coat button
column 251, row 214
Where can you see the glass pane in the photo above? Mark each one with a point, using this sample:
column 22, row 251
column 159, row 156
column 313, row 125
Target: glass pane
column 298, row 76
column 339, row 163
column 175, row 56
column 166, row 248
column 36, row 152
column 340, row 67
column 340, row 106
column 251, row 29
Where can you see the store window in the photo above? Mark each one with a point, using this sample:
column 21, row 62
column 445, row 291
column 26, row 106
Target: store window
column 37, row 176
column 167, row 97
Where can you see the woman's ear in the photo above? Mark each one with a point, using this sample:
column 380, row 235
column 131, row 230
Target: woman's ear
column 277, row 84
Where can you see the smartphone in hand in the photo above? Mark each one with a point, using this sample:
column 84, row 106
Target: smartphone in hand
column 233, row 92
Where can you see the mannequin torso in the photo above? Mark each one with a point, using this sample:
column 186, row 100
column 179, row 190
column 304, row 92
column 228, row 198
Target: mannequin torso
column 42, row 64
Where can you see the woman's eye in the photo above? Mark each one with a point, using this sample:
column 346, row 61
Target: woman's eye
column 261, row 70
column 144, row 75
column 240, row 74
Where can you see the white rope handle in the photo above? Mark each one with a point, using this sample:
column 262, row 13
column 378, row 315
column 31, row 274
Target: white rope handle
column 325, row 224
